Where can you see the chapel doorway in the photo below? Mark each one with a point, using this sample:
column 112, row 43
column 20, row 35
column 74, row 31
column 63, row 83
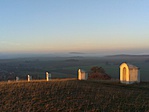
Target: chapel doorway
column 124, row 74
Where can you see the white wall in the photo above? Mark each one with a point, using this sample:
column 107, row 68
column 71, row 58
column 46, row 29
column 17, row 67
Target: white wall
column 132, row 74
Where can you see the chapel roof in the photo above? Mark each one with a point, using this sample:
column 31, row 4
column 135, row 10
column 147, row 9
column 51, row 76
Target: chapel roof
column 132, row 66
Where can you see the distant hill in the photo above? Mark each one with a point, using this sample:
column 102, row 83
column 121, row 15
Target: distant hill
column 127, row 56
column 76, row 53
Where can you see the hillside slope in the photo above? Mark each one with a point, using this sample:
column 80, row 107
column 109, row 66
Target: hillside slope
column 73, row 95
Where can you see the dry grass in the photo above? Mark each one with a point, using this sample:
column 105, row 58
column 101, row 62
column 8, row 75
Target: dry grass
column 73, row 95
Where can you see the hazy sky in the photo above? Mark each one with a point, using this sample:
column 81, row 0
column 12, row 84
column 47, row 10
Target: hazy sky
column 104, row 26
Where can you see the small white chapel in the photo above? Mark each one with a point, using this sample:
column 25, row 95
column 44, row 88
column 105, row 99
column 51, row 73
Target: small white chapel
column 129, row 73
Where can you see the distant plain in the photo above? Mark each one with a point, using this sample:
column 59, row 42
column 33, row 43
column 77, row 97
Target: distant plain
column 66, row 67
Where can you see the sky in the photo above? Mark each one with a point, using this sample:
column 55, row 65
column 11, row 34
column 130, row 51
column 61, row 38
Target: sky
column 88, row 26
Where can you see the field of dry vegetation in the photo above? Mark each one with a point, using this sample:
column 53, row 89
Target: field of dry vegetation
column 73, row 95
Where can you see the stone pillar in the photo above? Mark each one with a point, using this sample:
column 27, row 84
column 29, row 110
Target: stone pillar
column 17, row 78
column 47, row 76
column 79, row 74
column 28, row 78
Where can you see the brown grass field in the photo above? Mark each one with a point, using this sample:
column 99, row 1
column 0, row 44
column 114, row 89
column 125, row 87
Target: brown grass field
column 71, row 95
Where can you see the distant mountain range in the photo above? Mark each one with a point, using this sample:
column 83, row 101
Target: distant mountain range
column 30, row 55
column 76, row 53
column 127, row 56
column 69, row 54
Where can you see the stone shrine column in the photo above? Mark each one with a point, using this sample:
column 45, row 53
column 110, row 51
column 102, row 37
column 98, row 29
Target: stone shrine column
column 28, row 78
column 47, row 76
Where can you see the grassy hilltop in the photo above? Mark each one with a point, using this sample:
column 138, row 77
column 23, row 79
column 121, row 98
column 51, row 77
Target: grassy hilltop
column 73, row 95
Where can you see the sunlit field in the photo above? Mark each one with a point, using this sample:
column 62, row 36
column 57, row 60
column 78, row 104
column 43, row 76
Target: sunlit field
column 73, row 95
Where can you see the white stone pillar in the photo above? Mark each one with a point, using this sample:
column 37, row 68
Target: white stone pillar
column 17, row 78
column 28, row 78
column 47, row 76
column 79, row 74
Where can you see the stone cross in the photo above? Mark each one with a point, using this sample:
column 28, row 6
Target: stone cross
column 17, row 78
